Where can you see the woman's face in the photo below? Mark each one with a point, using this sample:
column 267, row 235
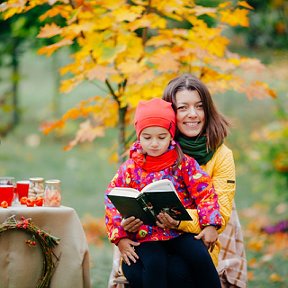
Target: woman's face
column 190, row 113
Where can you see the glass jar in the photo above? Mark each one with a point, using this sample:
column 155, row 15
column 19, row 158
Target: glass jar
column 7, row 181
column 36, row 188
column 52, row 194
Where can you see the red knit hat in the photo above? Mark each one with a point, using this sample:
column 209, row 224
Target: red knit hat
column 155, row 112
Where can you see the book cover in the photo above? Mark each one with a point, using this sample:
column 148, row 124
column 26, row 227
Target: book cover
column 146, row 205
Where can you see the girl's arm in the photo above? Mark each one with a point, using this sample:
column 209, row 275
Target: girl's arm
column 113, row 218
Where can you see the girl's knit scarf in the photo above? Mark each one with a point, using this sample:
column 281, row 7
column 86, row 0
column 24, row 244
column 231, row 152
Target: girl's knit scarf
column 150, row 163
column 195, row 147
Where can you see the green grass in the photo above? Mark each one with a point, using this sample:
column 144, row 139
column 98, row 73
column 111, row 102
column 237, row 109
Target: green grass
column 85, row 171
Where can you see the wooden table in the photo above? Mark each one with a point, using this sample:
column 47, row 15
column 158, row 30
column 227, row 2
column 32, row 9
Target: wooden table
column 21, row 265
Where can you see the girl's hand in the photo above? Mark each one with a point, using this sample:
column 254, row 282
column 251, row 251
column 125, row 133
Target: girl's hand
column 126, row 248
column 166, row 221
column 131, row 224
column 209, row 236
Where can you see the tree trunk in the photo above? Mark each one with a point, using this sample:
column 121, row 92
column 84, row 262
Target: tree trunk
column 15, row 84
column 121, row 136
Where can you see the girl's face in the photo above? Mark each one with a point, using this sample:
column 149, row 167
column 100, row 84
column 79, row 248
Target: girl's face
column 190, row 114
column 155, row 140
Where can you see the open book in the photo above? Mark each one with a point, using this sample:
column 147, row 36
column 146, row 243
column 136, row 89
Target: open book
column 149, row 202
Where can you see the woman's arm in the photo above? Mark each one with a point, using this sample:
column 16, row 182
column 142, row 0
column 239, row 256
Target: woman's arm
column 222, row 170
column 200, row 187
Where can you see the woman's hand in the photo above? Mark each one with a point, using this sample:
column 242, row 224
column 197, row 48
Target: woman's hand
column 131, row 224
column 126, row 248
column 209, row 236
column 166, row 221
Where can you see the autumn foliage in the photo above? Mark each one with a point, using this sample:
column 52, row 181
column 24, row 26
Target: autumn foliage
column 131, row 49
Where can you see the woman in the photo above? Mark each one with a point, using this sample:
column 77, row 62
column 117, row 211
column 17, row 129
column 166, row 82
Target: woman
column 201, row 132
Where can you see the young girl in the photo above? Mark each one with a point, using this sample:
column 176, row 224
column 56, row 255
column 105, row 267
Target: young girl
column 156, row 156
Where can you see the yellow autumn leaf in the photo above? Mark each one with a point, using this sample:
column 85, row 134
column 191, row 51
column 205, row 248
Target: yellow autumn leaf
column 74, row 30
column 112, row 4
column 236, row 17
column 260, row 90
column 165, row 61
column 200, row 10
column 245, row 5
column 274, row 277
column 250, row 275
column 10, row 8
column 160, row 40
column 127, row 13
column 133, row 47
column 130, row 66
column 141, row 77
column 48, row 127
column 88, row 131
column 49, row 30
column 152, row 21
column 100, row 73
column 50, row 49
column 61, row 10
column 255, row 244
column 69, row 84
column 217, row 46
column 252, row 262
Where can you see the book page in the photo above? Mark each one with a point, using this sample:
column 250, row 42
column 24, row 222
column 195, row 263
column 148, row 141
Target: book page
column 160, row 185
column 125, row 192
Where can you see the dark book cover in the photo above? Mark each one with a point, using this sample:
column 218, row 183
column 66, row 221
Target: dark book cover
column 131, row 206
column 146, row 205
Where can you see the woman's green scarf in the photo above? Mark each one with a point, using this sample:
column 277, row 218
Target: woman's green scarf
column 195, row 147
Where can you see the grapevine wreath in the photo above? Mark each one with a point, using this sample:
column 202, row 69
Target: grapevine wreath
column 47, row 243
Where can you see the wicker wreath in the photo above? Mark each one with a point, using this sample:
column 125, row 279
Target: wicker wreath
column 47, row 243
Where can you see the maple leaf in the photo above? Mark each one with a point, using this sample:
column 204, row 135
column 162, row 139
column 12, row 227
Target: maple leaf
column 245, row 5
column 165, row 61
column 151, row 20
column 67, row 85
column 236, row 17
column 127, row 13
column 200, row 10
column 49, row 30
column 260, row 90
column 130, row 66
column 100, row 72
column 88, row 131
column 61, row 10
column 50, row 49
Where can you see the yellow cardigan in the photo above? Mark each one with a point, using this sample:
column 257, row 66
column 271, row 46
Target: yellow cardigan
column 221, row 169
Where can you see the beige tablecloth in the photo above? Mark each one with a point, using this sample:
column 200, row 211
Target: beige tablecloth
column 21, row 265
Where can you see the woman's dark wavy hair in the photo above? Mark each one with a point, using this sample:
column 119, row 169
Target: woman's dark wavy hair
column 216, row 126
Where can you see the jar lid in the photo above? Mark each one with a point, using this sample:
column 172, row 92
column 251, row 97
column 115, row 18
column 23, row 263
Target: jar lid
column 36, row 179
column 53, row 181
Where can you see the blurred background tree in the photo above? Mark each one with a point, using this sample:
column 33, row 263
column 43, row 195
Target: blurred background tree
column 130, row 50
column 268, row 24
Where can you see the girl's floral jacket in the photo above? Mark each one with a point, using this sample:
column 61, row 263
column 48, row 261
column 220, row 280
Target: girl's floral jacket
column 193, row 185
